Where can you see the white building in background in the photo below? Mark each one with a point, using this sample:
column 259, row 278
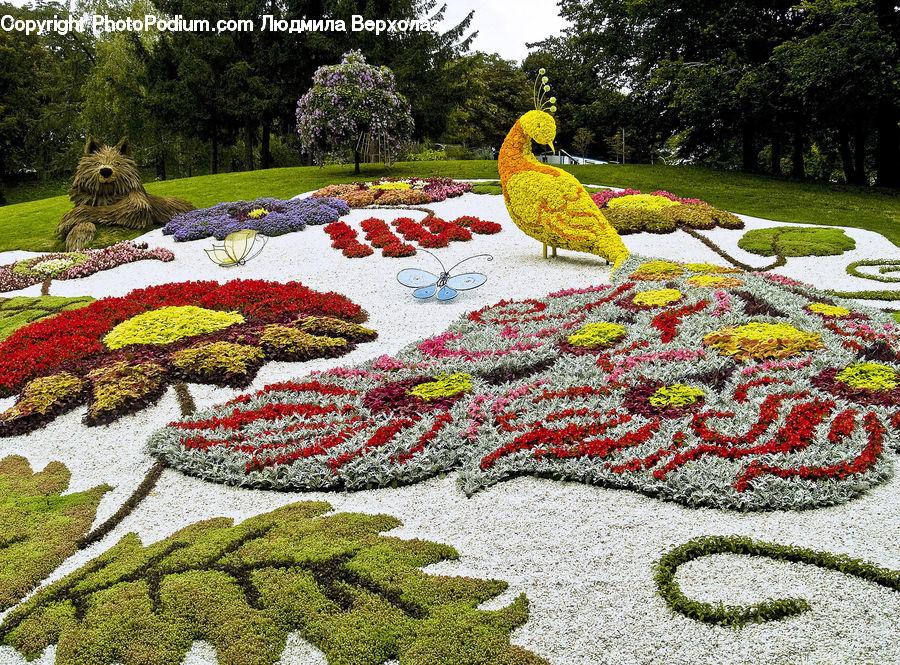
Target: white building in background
column 562, row 157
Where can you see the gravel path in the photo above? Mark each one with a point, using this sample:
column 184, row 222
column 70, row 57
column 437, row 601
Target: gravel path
column 583, row 555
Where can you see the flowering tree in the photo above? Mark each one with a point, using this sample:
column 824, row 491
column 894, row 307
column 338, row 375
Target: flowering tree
column 354, row 105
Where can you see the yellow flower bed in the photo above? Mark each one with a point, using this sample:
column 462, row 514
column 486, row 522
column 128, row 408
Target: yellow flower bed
column 210, row 359
column 657, row 298
column 762, row 340
column 709, row 268
column 597, row 334
column 715, row 281
column 647, row 202
column 121, row 383
column 657, row 271
column 828, row 310
column 292, row 340
column 257, row 213
column 871, row 376
column 444, row 385
column 169, row 324
column 392, row 185
column 675, row 395
column 40, row 395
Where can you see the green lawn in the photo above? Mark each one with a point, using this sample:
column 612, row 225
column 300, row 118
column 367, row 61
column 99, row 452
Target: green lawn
column 30, row 225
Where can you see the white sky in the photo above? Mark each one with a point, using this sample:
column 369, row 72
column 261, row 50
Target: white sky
column 504, row 26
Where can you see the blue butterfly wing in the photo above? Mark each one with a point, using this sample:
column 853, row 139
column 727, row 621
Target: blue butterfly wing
column 427, row 291
column 466, row 281
column 414, row 278
column 446, row 293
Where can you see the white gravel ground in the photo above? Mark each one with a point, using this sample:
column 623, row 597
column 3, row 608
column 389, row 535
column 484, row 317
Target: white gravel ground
column 583, row 555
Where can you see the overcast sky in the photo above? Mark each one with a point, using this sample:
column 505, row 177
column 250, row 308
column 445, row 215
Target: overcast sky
column 504, row 26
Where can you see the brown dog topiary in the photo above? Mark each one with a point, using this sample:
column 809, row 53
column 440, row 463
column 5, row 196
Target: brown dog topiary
column 107, row 190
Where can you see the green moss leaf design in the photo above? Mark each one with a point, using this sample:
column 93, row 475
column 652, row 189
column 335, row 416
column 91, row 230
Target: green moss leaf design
column 796, row 241
column 39, row 528
column 357, row 595
column 21, row 310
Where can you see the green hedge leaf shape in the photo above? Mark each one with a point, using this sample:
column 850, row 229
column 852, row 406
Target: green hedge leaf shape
column 357, row 595
column 39, row 529
column 796, row 241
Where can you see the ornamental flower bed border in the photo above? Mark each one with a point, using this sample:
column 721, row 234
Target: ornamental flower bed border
column 120, row 381
column 534, row 409
column 21, row 274
column 282, row 216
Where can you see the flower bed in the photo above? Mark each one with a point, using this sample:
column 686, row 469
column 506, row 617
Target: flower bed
column 74, row 265
column 753, row 400
column 119, row 354
column 431, row 233
column 630, row 211
column 271, row 217
column 391, row 192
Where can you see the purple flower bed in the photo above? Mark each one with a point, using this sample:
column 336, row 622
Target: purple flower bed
column 25, row 273
column 280, row 217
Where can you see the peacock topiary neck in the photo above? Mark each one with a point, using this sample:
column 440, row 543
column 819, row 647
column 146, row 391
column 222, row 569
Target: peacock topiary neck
column 516, row 156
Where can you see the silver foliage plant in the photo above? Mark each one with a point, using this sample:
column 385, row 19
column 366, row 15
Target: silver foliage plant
column 531, row 402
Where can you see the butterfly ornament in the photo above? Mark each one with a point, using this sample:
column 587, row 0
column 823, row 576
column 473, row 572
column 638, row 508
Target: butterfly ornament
column 444, row 285
column 237, row 248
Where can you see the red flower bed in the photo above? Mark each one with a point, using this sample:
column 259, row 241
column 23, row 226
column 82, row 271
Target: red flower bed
column 44, row 346
column 344, row 238
column 379, row 234
column 476, row 225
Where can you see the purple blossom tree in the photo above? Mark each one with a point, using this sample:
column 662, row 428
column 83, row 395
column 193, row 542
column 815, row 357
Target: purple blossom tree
column 354, row 106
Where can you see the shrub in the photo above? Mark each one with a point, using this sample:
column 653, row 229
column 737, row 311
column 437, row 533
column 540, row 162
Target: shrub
column 796, row 241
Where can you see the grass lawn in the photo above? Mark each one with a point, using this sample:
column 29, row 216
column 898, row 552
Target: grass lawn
column 30, row 225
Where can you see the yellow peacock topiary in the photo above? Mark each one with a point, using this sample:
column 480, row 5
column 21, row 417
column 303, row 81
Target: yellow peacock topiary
column 547, row 203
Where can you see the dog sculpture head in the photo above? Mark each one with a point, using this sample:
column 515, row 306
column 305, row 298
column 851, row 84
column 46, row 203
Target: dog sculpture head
column 105, row 174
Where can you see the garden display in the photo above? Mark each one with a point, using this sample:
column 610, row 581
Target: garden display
column 630, row 211
column 431, row 232
column 548, row 203
column 682, row 389
column 389, row 192
column 271, row 217
column 107, row 190
column 120, row 354
column 74, row 265
column 688, row 458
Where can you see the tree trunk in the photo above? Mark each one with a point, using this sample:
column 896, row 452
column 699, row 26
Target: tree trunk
column 775, row 159
column 214, row 156
column 161, row 165
column 356, row 161
column 861, row 138
column 249, row 135
column 846, row 155
column 748, row 149
column 265, row 157
column 798, row 169
column 887, row 146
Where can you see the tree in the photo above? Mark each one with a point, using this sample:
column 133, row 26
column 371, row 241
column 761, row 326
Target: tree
column 582, row 138
column 354, row 107
column 490, row 94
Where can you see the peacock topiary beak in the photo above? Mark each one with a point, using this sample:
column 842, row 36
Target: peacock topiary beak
column 552, row 149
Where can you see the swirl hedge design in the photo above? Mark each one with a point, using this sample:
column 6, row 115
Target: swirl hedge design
column 744, row 399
